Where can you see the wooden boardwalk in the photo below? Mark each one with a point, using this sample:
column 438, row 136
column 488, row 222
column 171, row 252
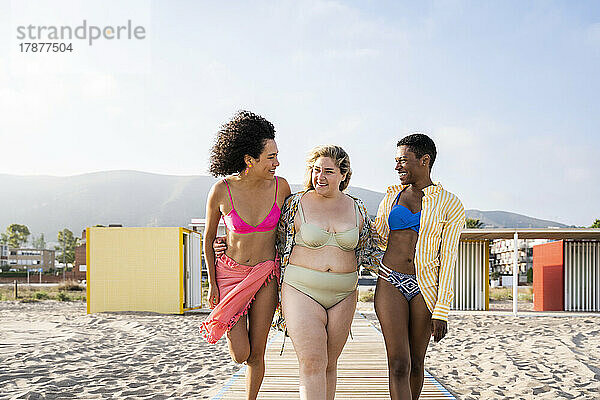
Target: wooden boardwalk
column 362, row 370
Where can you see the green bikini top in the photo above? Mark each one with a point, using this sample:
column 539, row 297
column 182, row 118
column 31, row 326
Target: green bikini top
column 314, row 237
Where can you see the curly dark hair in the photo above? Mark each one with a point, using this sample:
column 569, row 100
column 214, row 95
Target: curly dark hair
column 245, row 134
column 420, row 144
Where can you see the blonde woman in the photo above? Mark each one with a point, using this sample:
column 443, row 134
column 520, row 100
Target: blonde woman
column 324, row 235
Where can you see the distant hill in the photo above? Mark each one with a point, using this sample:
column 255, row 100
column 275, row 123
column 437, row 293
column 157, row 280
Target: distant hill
column 131, row 198
column 504, row 219
column 47, row 204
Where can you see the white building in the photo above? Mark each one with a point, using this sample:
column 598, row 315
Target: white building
column 502, row 253
column 3, row 255
column 24, row 259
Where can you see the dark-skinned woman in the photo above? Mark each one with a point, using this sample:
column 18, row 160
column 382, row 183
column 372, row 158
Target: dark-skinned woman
column 419, row 225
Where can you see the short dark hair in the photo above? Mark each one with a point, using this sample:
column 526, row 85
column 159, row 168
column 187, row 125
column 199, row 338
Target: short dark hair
column 419, row 144
column 245, row 134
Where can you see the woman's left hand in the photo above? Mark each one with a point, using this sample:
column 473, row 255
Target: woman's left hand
column 439, row 329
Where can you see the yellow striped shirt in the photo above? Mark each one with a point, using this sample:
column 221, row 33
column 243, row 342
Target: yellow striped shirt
column 442, row 220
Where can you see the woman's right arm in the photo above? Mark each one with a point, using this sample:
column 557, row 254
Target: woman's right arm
column 382, row 229
column 213, row 215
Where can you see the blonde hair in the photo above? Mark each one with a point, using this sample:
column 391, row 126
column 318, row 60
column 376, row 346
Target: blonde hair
column 339, row 157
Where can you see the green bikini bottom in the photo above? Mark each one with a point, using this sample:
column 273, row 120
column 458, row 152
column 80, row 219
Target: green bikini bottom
column 326, row 288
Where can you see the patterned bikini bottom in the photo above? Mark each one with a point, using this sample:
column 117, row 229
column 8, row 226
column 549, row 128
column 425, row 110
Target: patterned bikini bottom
column 405, row 283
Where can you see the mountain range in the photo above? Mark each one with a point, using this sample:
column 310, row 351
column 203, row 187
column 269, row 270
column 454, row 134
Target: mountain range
column 47, row 204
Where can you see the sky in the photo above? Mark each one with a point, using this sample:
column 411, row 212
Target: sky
column 509, row 91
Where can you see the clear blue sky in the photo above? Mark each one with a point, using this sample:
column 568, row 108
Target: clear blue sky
column 509, row 90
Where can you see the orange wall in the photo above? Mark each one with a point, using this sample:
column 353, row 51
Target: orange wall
column 548, row 276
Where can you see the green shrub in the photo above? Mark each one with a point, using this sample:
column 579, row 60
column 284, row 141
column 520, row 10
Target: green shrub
column 525, row 294
column 367, row 296
column 13, row 274
column 526, row 297
column 70, row 286
column 530, row 275
column 500, row 294
column 62, row 296
column 77, row 296
column 41, row 296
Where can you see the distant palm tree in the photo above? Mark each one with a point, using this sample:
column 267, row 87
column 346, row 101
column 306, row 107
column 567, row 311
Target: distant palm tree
column 596, row 224
column 473, row 223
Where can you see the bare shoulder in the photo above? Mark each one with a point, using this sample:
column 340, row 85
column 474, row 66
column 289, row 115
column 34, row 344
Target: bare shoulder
column 350, row 200
column 360, row 208
column 219, row 186
column 283, row 190
column 354, row 201
column 218, row 190
column 283, row 183
column 282, row 180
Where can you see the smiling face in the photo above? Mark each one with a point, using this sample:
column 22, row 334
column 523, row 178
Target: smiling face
column 326, row 177
column 409, row 167
column 266, row 163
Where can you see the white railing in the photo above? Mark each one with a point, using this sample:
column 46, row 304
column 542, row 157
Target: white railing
column 582, row 276
column 471, row 276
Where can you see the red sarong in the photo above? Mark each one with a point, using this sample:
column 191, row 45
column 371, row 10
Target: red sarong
column 238, row 284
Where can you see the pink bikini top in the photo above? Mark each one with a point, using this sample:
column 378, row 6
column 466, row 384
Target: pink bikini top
column 235, row 223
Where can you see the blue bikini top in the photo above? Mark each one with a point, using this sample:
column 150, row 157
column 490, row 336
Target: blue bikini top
column 402, row 218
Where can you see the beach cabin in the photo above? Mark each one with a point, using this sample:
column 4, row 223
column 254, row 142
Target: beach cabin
column 566, row 272
column 471, row 275
column 143, row 269
column 566, row 276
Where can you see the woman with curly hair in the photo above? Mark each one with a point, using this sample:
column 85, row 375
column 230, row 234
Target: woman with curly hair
column 249, row 200
column 324, row 235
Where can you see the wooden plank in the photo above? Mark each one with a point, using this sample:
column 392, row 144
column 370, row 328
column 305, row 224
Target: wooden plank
column 362, row 370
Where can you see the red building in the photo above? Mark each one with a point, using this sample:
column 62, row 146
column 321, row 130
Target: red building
column 79, row 266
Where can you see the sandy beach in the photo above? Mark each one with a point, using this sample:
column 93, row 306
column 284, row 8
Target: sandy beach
column 499, row 356
column 526, row 357
column 55, row 350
